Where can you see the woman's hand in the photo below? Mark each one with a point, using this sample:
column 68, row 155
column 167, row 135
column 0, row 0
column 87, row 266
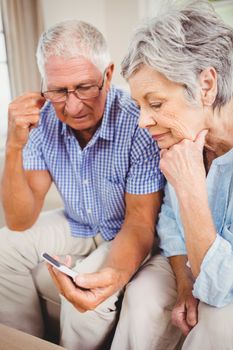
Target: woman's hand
column 183, row 165
column 185, row 311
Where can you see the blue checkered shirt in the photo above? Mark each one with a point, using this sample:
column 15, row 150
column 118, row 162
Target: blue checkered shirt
column 92, row 181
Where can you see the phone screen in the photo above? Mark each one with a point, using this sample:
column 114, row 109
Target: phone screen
column 50, row 259
column 61, row 267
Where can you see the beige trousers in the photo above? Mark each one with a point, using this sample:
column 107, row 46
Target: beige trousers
column 145, row 319
column 20, row 308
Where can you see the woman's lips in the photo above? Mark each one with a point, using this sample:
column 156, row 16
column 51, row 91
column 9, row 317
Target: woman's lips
column 158, row 137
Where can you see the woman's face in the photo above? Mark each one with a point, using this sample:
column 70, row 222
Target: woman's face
column 165, row 111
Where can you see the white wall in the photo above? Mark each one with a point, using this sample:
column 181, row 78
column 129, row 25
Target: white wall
column 121, row 18
column 114, row 18
column 92, row 11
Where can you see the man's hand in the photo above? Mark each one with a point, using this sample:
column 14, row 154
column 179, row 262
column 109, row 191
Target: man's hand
column 23, row 114
column 129, row 248
column 185, row 312
column 91, row 289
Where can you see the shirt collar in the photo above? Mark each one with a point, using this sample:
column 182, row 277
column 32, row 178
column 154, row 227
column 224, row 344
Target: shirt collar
column 108, row 122
column 225, row 159
column 66, row 131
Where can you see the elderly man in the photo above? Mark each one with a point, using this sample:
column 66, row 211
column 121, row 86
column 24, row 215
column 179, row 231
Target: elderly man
column 81, row 134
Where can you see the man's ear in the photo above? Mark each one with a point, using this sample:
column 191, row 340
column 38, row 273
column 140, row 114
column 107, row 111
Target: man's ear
column 109, row 74
column 208, row 84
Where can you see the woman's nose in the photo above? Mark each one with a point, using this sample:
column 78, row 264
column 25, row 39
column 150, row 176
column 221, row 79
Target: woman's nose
column 146, row 120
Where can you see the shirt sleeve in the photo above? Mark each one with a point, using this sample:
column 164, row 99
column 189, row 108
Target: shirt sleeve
column 170, row 236
column 214, row 284
column 144, row 175
column 32, row 153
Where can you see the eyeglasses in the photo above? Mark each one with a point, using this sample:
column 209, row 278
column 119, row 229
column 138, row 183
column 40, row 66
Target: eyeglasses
column 83, row 92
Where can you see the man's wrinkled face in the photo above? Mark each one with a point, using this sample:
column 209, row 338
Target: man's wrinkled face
column 70, row 73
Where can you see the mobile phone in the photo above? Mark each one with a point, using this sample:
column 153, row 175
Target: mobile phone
column 61, row 267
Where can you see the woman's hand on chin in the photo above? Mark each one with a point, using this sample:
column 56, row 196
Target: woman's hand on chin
column 183, row 165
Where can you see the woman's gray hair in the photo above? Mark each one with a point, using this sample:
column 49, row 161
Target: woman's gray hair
column 70, row 39
column 180, row 42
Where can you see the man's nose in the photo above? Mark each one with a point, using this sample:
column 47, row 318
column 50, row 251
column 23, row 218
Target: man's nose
column 73, row 103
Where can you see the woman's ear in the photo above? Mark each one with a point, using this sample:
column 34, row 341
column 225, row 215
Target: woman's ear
column 208, row 84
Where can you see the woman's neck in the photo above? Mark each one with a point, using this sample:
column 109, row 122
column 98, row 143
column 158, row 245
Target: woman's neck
column 219, row 139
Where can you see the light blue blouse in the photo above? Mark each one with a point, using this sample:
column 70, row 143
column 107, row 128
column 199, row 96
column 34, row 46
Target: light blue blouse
column 214, row 285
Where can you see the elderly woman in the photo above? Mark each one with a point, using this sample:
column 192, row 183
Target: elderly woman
column 180, row 71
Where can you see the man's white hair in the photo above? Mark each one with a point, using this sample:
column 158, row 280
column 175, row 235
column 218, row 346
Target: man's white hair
column 70, row 39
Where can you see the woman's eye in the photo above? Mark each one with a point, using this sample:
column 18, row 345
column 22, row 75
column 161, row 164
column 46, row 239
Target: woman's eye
column 155, row 105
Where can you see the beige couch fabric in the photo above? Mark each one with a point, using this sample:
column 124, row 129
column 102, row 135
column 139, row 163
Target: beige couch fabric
column 12, row 339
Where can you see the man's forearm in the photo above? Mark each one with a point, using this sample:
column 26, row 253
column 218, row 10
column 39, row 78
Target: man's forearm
column 134, row 241
column 130, row 247
column 17, row 197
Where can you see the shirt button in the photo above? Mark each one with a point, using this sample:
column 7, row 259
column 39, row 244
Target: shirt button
column 89, row 211
column 85, row 182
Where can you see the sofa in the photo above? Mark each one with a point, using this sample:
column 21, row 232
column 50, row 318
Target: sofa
column 12, row 339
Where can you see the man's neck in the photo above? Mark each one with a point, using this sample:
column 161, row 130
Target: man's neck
column 84, row 136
